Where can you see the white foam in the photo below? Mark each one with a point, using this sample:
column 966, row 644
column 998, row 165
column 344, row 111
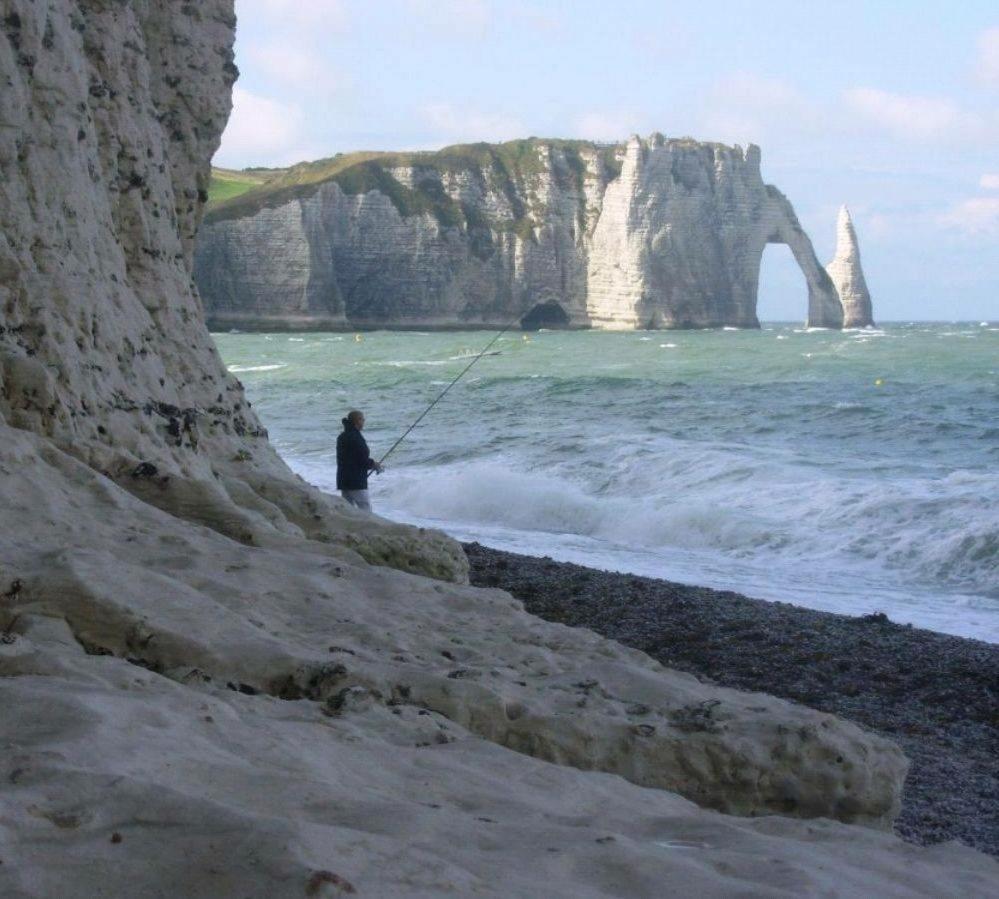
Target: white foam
column 405, row 363
column 238, row 369
column 605, row 461
column 691, row 498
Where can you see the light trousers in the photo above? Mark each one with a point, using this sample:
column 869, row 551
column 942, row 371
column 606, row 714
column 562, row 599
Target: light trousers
column 357, row 498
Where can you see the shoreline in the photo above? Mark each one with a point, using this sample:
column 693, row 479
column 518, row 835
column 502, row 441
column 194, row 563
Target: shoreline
column 935, row 695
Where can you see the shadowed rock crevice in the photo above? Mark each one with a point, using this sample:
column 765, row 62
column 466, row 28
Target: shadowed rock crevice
column 545, row 315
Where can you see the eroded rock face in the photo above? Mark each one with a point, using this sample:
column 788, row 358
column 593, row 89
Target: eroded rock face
column 205, row 687
column 848, row 276
column 110, row 114
column 653, row 233
column 680, row 237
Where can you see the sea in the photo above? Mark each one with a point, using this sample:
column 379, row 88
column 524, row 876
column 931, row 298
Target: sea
column 854, row 472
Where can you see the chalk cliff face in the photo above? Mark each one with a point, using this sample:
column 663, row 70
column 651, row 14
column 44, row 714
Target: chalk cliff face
column 653, row 233
column 466, row 237
column 110, row 113
column 680, row 236
column 848, row 276
column 207, row 689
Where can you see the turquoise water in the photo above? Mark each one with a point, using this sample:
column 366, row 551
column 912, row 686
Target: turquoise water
column 853, row 472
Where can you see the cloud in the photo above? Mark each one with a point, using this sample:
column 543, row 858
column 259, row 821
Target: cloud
column 312, row 16
column 542, row 21
column 262, row 131
column 453, row 125
column 745, row 106
column 988, row 57
column 607, row 126
column 458, row 18
column 914, row 117
column 295, row 67
column 989, row 182
column 977, row 216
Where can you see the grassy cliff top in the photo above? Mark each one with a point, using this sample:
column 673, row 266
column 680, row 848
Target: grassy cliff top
column 235, row 194
column 508, row 167
column 229, row 183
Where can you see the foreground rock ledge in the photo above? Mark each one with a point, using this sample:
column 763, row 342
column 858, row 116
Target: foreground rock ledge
column 207, row 689
column 184, row 710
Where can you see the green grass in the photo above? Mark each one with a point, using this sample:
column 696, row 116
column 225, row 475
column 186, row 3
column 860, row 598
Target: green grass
column 227, row 183
column 510, row 169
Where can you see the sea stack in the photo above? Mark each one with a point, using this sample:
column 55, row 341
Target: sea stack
column 848, row 276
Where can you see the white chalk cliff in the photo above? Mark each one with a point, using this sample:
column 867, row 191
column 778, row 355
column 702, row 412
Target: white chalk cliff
column 848, row 276
column 661, row 233
column 216, row 681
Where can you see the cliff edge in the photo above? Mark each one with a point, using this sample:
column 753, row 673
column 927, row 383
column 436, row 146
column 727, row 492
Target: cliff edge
column 208, row 689
column 651, row 233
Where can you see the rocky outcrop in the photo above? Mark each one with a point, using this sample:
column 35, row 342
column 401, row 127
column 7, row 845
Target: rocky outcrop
column 848, row 276
column 105, row 137
column 652, row 233
column 207, row 689
column 680, row 236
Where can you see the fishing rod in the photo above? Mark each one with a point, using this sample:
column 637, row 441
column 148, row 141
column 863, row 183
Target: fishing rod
column 443, row 393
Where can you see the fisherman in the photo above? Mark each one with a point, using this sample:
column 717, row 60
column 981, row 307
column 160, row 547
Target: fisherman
column 353, row 463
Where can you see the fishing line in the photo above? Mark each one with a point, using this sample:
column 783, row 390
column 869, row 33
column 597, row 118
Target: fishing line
column 443, row 393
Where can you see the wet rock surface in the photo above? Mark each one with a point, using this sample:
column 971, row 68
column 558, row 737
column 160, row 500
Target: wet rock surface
column 935, row 695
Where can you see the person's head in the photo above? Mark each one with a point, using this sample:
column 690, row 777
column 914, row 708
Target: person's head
column 355, row 418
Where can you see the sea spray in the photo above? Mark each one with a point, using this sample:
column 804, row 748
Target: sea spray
column 829, row 469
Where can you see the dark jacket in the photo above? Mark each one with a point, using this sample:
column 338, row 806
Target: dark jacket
column 352, row 459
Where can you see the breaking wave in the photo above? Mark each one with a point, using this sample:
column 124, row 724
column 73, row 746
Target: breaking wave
column 238, row 369
column 834, row 470
column 946, row 532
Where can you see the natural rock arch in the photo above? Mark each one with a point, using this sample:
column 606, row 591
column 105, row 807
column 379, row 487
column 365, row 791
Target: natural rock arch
column 654, row 233
column 681, row 235
column 824, row 307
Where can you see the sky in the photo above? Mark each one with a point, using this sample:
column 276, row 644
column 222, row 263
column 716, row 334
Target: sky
column 889, row 106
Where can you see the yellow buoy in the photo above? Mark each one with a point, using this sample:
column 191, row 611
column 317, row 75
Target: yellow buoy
column 878, row 382
column 357, row 338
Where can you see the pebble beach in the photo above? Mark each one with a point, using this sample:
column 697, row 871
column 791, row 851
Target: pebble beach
column 935, row 695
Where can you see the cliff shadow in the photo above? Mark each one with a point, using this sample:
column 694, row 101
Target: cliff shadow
column 545, row 315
